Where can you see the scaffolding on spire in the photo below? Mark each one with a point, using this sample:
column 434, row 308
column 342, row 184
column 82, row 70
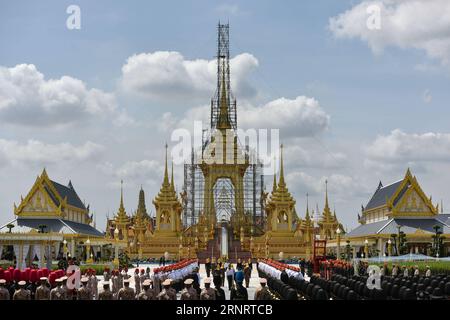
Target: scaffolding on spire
column 223, row 79
column 223, row 117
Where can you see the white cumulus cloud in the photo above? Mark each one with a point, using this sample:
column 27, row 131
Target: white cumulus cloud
column 27, row 98
column 404, row 149
column 418, row 24
column 299, row 117
column 134, row 171
column 39, row 153
column 167, row 75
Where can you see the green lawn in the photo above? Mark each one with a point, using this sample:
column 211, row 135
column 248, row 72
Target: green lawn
column 436, row 266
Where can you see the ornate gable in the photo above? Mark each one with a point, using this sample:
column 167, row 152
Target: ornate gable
column 41, row 200
column 410, row 200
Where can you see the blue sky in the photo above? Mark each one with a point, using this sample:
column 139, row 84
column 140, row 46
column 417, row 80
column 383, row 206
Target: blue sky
column 366, row 94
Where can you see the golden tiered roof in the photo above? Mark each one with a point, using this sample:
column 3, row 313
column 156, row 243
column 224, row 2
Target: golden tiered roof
column 307, row 222
column 327, row 216
column 167, row 193
column 121, row 216
column 280, row 192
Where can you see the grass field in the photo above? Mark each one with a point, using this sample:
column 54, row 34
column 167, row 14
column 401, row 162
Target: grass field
column 435, row 266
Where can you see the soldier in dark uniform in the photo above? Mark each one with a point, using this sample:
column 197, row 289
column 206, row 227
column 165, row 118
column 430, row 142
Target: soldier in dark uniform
column 22, row 293
column 58, row 293
column 42, row 292
column 137, row 281
column 221, row 269
column 4, row 293
column 247, row 274
column 284, row 277
column 239, row 292
column 126, row 293
column 220, row 293
column 14, row 284
column 68, row 293
column 302, row 266
column 188, row 293
column 33, row 283
column 208, row 267
column 106, row 294
column 147, row 293
column 208, row 293
column 262, row 293
column 239, row 264
column 171, row 291
column 164, row 294
column 84, row 293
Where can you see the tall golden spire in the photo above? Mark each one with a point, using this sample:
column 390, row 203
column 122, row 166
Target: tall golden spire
column 166, row 173
column 167, row 191
column 307, row 207
column 274, row 188
column 327, row 215
column 121, row 194
column 172, row 183
column 280, row 193
column 121, row 214
column 224, row 121
column 142, row 210
column 281, row 183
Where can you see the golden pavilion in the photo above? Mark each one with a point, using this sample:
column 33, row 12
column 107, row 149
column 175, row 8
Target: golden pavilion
column 397, row 210
column 51, row 222
column 222, row 209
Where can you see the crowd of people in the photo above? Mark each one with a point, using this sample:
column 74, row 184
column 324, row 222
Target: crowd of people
column 328, row 267
column 342, row 280
column 279, row 270
column 162, row 284
column 337, row 280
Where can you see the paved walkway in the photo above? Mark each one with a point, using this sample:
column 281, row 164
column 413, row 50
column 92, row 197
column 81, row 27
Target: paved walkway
column 254, row 280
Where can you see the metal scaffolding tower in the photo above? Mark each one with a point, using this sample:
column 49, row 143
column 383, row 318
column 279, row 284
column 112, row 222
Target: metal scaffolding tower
column 223, row 74
column 224, row 190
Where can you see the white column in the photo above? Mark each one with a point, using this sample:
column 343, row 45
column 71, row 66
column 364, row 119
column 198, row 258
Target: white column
column 57, row 247
column 72, row 248
column 380, row 247
column 20, row 258
column 25, row 248
column 48, row 251
column 40, row 254
column 17, row 250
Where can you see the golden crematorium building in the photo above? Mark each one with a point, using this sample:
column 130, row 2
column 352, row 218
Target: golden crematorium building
column 401, row 206
column 50, row 221
column 222, row 209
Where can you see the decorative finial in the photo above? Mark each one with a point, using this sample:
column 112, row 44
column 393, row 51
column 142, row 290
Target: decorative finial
column 172, row 183
column 281, row 181
column 274, row 174
column 307, row 206
column 121, row 193
column 166, row 174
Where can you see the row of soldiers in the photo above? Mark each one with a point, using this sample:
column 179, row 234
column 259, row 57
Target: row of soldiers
column 61, row 291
